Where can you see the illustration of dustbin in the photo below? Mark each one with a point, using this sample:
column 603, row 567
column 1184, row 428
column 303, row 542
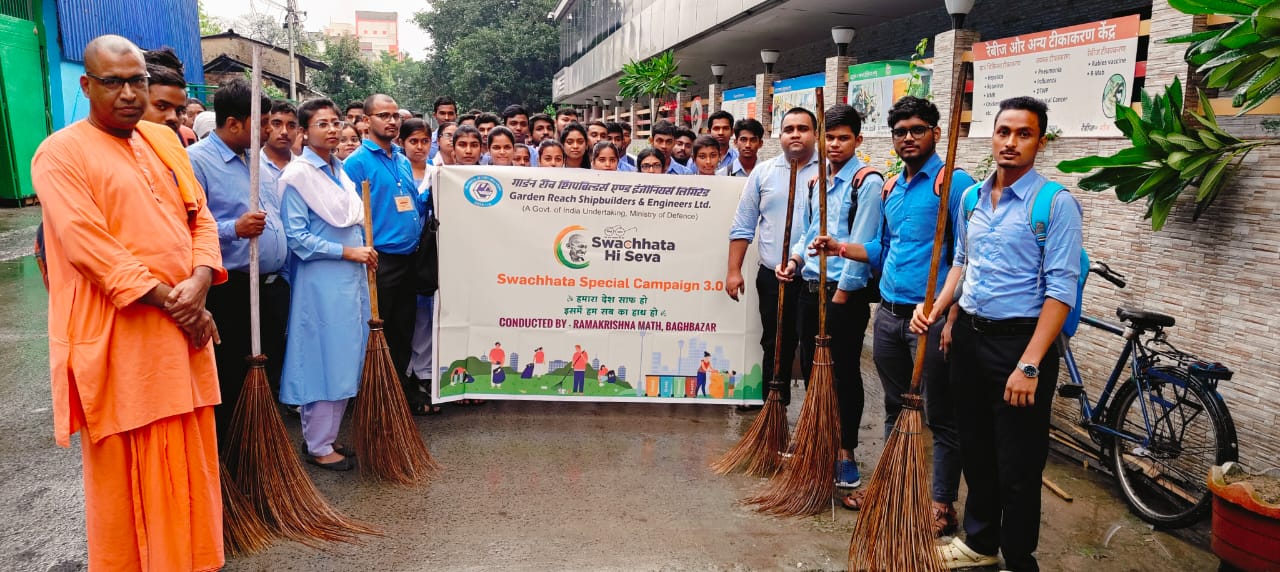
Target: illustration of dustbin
column 691, row 386
column 665, row 389
column 717, row 385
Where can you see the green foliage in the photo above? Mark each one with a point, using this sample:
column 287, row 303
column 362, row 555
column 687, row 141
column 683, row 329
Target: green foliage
column 209, row 24
column 1244, row 57
column 269, row 29
column 490, row 53
column 915, row 84
column 656, row 77
column 350, row 77
column 1169, row 155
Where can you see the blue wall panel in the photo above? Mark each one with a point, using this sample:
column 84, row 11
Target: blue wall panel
column 154, row 24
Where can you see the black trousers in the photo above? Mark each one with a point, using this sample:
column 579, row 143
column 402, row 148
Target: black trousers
column 847, row 325
column 1005, row 447
column 767, row 287
column 398, row 306
column 229, row 304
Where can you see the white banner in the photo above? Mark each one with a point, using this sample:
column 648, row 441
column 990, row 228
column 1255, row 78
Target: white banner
column 1081, row 72
column 572, row 284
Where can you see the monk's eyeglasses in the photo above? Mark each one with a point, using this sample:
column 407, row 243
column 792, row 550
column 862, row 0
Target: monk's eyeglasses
column 138, row 82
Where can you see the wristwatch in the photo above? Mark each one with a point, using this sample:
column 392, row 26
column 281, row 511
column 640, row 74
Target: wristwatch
column 1029, row 370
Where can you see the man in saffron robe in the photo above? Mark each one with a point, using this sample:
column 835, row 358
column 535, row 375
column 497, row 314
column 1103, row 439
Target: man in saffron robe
column 132, row 250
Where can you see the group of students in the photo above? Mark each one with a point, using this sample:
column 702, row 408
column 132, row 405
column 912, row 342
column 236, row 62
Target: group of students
column 990, row 366
column 144, row 281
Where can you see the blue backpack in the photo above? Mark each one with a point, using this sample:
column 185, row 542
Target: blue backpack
column 1041, row 213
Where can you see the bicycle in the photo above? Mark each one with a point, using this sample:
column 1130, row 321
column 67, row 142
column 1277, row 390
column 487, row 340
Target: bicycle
column 1164, row 427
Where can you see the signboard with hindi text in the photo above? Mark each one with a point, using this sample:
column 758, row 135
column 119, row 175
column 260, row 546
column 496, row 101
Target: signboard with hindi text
column 875, row 86
column 1082, row 72
column 794, row 92
column 581, row 285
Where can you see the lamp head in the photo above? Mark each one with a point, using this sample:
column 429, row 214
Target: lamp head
column 842, row 36
column 769, row 57
column 718, row 70
column 958, row 10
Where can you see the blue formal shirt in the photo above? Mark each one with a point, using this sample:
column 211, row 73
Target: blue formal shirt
column 905, row 243
column 1005, row 275
column 395, row 231
column 625, row 168
column 627, row 160
column 865, row 225
column 728, row 159
column 678, row 169
column 763, row 206
column 225, row 178
column 435, row 148
column 734, row 170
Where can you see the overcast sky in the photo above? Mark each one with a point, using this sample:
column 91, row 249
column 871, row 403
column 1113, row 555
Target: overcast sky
column 320, row 12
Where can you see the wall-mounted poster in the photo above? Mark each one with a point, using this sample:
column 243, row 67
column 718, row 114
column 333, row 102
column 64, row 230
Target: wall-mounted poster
column 1082, row 72
column 741, row 102
column 581, row 285
column 795, row 92
column 875, row 86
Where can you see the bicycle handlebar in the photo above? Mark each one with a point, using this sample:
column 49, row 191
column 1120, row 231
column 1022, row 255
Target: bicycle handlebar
column 1101, row 269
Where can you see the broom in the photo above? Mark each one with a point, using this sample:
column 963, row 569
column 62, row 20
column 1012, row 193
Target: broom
column 243, row 531
column 758, row 452
column 260, row 457
column 387, row 440
column 805, row 484
column 895, row 529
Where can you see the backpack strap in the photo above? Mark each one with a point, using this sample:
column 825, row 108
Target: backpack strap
column 858, row 179
column 889, row 183
column 1041, row 211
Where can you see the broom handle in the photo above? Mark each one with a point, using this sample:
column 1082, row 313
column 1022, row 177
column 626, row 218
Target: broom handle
column 255, row 177
column 939, row 232
column 822, row 211
column 782, row 286
column 368, row 240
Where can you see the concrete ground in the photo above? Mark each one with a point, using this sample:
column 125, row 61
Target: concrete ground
column 528, row 486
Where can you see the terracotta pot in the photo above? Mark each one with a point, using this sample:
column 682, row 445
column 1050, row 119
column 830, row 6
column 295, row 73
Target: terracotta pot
column 1246, row 531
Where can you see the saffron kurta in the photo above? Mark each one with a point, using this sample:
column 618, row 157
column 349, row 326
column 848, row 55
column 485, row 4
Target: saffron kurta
column 123, row 374
column 329, row 312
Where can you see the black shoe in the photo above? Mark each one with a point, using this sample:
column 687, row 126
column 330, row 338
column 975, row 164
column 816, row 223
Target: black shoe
column 346, row 464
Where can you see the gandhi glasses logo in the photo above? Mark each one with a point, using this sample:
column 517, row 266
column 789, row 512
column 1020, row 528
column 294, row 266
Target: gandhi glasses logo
column 482, row 190
column 571, row 247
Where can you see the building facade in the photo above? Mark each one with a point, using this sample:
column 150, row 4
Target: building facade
column 378, row 33
column 228, row 55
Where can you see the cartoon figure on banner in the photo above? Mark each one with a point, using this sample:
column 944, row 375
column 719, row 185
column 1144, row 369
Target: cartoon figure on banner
column 571, row 247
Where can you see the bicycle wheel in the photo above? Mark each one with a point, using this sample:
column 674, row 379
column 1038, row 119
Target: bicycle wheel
column 1164, row 473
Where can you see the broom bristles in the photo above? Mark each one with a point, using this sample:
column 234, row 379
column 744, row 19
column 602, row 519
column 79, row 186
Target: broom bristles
column 895, row 528
column 806, row 482
column 243, row 531
column 264, row 466
column 387, row 440
column 759, row 451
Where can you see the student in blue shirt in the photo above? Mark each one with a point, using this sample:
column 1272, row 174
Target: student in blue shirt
column 901, row 251
column 663, row 138
column 853, row 215
column 398, row 214
column 763, row 206
column 1004, row 364
column 721, row 126
column 220, row 162
column 444, row 110
column 748, row 138
column 625, row 163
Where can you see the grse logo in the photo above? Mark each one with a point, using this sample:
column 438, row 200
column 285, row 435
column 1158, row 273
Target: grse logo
column 571, row 247
column 482, row 190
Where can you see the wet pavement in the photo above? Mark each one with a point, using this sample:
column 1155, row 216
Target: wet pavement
column 529, row 486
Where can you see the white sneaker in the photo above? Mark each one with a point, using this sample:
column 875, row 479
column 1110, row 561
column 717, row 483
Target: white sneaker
column 958, row 555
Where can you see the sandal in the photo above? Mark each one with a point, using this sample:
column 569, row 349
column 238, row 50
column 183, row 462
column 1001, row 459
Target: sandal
column 855, row 500
column 424, row 409
column 344, row 451
column 342, row 465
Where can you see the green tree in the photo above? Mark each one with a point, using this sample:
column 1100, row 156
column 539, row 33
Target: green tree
column 491, row 53
column 209, row 24
column 350, row 76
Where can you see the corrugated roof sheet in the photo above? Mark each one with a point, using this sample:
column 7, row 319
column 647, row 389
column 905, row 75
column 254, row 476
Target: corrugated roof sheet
column 151, row 25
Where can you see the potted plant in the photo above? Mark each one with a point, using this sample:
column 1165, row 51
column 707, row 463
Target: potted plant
column 1246, row 517
column 652, row 79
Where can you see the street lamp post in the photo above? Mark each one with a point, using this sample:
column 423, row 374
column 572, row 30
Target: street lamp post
column 842, row 35
column 958, row 10
column 717, row 71
column 769, row 57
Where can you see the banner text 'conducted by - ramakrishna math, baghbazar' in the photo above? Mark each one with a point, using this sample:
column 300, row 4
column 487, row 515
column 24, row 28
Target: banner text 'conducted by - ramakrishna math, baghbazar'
column 572, row 284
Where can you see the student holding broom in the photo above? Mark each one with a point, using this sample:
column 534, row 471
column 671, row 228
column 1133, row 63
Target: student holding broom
column 1016, row 296
column 901, row 251
column 323, row 214
column 853, row 215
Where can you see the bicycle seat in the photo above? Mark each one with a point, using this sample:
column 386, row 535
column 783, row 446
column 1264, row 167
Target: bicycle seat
column 1144, row 320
